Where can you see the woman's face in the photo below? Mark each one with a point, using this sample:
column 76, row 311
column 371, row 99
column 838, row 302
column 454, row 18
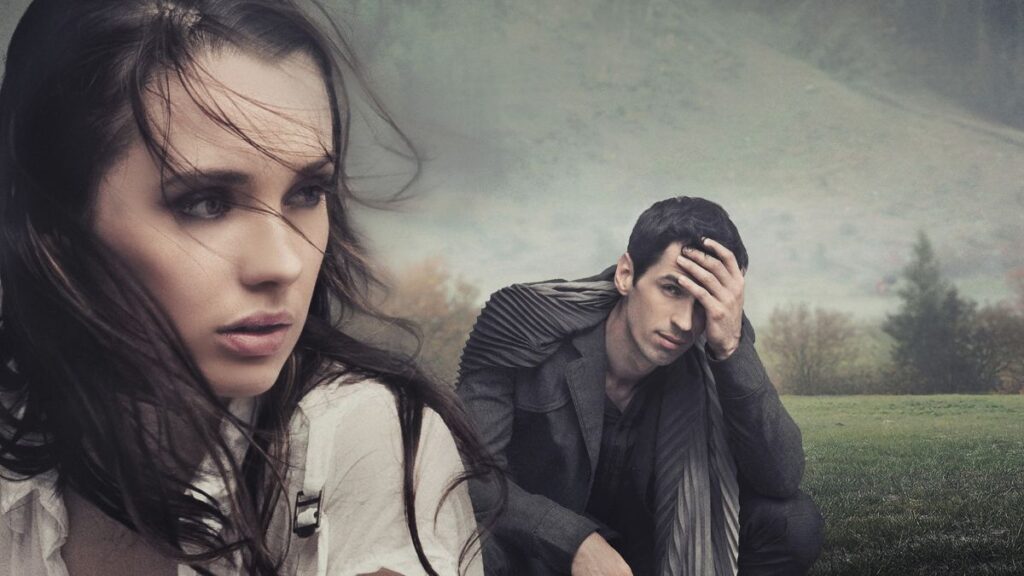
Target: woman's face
column 236, row 282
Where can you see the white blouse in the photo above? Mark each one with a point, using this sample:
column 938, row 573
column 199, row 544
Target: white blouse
column 363, row 526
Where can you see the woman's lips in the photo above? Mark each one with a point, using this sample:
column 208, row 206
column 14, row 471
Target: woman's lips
column 256, row 335
column 254, row 343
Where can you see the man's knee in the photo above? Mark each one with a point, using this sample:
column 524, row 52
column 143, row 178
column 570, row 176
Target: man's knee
column 779, row 536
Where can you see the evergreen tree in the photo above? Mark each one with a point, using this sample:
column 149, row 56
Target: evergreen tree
column 933, row 331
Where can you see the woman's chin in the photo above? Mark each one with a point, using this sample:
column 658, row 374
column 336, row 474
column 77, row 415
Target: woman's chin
column 243, row 381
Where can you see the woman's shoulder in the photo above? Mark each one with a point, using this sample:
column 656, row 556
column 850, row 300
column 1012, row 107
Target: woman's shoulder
column 352, row 398
column 350, row 432
column 349, row 416
column 355, row 457
column 357, row 415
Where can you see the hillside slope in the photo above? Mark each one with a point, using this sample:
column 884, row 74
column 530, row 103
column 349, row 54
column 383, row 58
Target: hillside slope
column 551, row 127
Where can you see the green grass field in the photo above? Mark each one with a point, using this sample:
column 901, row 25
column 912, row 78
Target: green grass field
column 916, row 485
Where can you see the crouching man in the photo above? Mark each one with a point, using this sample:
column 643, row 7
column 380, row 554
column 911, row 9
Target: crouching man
column 636, row 423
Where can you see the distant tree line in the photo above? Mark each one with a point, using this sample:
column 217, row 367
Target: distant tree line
column 937, row 342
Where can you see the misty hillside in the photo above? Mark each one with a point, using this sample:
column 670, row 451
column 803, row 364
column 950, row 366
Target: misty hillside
column 970, row 52
column 551, row 126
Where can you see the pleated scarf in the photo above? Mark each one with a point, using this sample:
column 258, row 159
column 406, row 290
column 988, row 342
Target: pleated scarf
column 696, row 492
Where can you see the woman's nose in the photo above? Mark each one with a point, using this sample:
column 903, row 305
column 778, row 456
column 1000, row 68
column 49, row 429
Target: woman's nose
column 269, row 252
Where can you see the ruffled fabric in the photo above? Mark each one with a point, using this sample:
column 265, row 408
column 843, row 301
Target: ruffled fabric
column 36, row 522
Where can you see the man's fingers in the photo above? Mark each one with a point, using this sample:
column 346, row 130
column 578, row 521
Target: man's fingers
column 715, row 310
column 710, row 263
column 709, row 280
column 705, row 297
column 725, row 255
column 713, row 264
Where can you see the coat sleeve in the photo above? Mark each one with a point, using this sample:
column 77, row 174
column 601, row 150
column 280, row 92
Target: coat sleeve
column 764, row 440
column 535, row 525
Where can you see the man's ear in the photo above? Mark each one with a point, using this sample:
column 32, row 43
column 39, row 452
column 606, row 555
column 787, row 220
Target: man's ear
column 624, row 274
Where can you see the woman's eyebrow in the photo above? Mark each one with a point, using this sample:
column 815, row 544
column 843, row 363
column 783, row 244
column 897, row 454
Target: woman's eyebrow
column 228, row 177
column 317, row 166
column 202, row 177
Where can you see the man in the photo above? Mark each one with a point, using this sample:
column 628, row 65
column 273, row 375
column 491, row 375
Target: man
column 639, row 430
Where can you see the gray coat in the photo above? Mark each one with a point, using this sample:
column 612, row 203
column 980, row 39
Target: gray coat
column 544, row 427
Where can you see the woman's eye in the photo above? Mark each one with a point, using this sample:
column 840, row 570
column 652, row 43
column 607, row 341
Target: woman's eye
column 202, row 207
column 306, row 197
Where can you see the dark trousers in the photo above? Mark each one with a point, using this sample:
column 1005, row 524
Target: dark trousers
column 779, row 537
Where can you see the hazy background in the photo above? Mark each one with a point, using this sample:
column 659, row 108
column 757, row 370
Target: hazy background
column 831, row 132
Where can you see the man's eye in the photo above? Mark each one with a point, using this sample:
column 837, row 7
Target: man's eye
column 306, row 197
column 672, row 290
column 202, row 207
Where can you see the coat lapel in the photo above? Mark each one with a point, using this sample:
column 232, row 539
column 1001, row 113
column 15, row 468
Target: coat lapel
column 585, row 377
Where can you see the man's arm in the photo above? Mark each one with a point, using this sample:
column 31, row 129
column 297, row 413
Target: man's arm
column 765, row 441
column 535, row 524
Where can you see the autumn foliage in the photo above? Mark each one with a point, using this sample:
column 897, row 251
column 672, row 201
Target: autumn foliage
column 443, row 307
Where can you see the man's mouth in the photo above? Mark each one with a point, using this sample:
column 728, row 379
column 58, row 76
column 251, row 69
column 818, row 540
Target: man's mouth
column 672, row 342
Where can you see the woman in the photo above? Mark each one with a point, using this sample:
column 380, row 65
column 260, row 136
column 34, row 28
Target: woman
column 178, row 393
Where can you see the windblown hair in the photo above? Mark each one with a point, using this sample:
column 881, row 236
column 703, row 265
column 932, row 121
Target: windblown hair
column 682, row 219
column 95, row 382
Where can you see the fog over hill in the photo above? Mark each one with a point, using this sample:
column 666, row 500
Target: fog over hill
column 549, row 126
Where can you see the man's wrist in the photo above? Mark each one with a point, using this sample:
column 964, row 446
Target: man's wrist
column 721, row 354
column 741, row 374
column 559, row 534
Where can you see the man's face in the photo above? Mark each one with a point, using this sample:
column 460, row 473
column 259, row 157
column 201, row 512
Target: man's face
column 662, row 319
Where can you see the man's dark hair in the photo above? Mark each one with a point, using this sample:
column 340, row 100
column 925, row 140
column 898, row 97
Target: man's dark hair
column 682, row 219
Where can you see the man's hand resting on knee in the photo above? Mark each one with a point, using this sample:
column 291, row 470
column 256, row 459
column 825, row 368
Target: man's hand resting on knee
column 596, row 557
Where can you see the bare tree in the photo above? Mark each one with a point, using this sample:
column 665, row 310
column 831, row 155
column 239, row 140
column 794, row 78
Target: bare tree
column 808, row 349
column 998, row 345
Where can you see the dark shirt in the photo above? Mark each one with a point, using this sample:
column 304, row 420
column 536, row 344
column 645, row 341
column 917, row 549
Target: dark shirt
column 621, row 498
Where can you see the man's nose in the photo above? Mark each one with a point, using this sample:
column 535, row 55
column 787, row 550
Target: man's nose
column 682, row 317
column 269, row 252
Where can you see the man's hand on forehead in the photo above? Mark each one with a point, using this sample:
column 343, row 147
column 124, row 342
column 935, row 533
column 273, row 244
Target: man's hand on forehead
column 716, row 281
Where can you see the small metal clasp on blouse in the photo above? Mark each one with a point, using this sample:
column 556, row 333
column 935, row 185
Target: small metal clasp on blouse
column 307, row 514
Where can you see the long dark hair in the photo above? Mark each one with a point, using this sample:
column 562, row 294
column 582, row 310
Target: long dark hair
column 95, row 383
